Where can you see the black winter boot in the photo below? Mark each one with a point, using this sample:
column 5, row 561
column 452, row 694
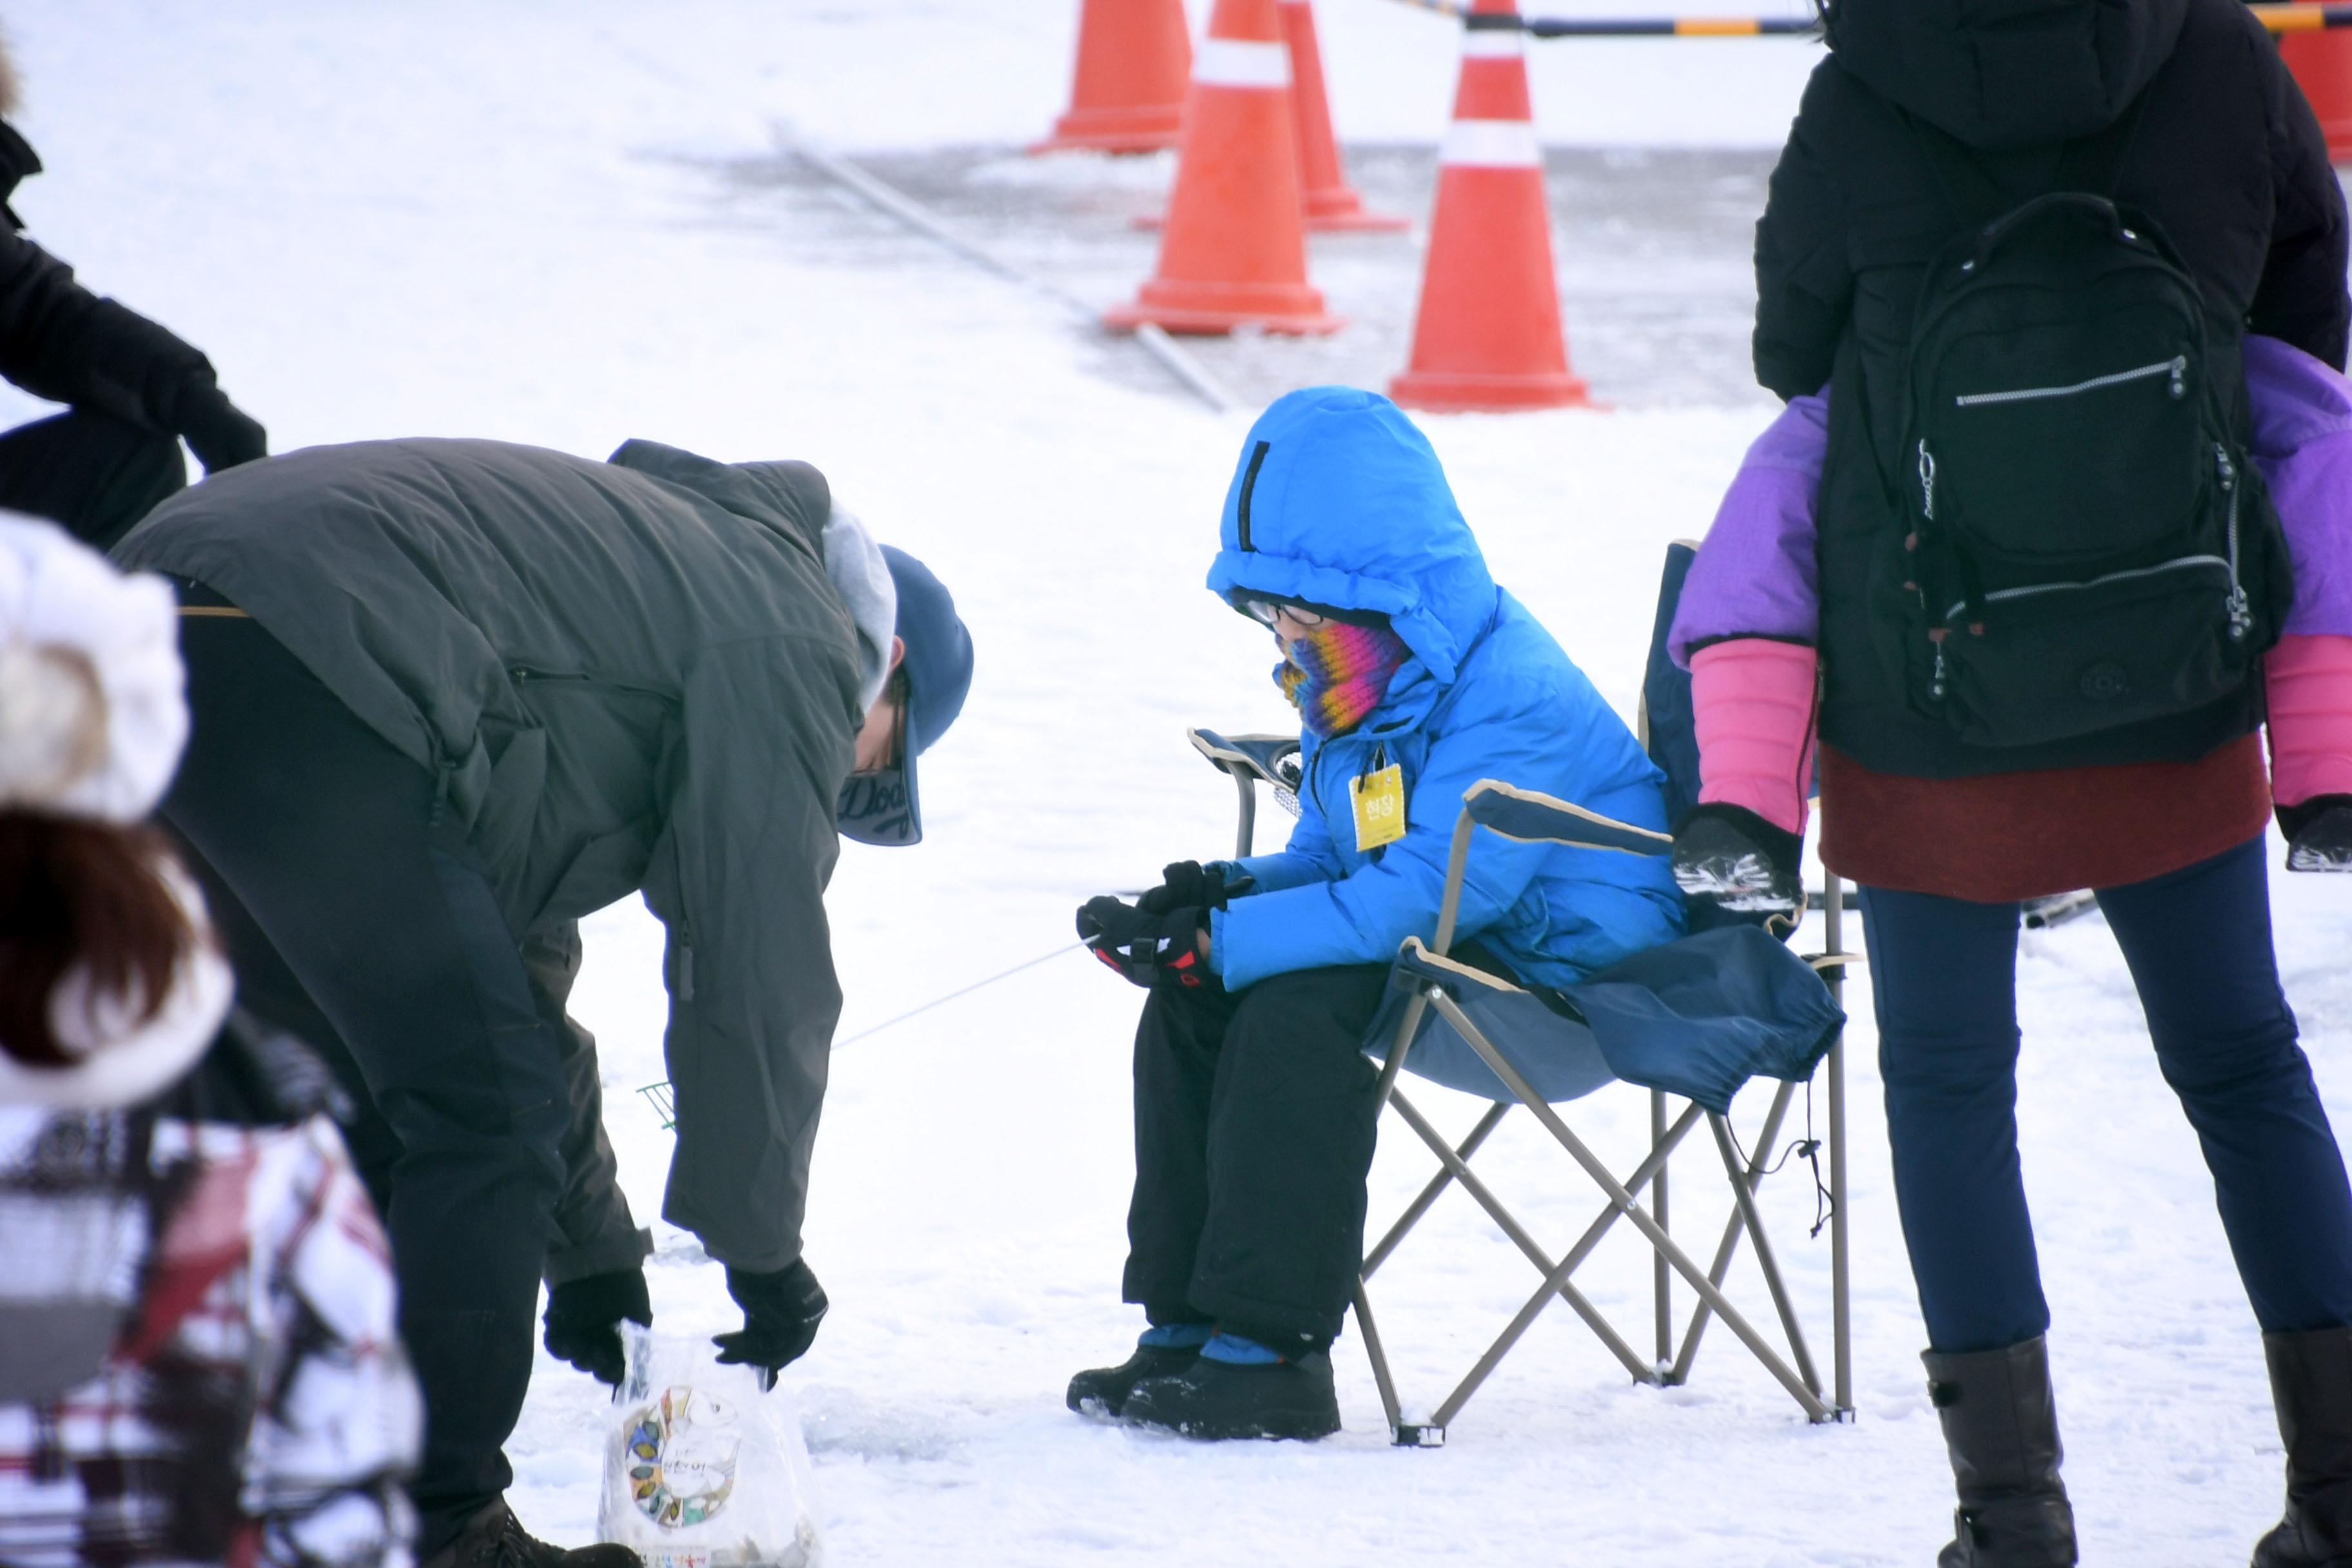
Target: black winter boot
column 494, row 1538
column 1216, row 1401
column 2311, row 1382
column 1103, row 1391
column 2001, row 1427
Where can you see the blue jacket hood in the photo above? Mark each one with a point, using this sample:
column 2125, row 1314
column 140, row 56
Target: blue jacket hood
column 1339, row 500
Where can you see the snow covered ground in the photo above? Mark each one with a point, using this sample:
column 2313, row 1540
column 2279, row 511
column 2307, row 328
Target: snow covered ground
column 460, row 216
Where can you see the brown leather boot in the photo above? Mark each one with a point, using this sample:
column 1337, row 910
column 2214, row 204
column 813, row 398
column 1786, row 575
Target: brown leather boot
column 2001, row 1427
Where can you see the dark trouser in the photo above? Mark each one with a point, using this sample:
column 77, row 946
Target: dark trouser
column 357, row 919
column 94, row 474
column 1254, row 1122
column 1944, row 973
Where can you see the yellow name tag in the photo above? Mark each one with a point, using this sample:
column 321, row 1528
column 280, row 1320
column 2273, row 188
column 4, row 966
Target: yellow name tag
column 1380, row 807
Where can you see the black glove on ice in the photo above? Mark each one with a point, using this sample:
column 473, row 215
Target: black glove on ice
column 1187, row 882
column 217, row 431
column 2318, row 833
column 1142, row 944
column 780, row 1312
column 1731, row 857
column 584, row 1317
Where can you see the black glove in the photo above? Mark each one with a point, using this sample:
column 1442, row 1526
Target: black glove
column 2318, row 833
column 217, row 431
column 1142, row 944
column 584, row 1317
column 1732, row 858
column 1201, row 887
column 780, row 1312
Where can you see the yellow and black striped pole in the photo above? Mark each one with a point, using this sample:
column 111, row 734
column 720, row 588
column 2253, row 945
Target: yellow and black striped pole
column 2278, row 18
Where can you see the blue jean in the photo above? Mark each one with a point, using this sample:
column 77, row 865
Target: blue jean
column 1944, row 976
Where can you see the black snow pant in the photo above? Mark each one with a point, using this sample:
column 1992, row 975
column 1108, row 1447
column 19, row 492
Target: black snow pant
column 357, row 919
column 95, row 475
column 1255, row 1114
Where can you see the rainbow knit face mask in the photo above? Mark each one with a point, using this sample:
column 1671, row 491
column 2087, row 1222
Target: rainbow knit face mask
column 1337, row 673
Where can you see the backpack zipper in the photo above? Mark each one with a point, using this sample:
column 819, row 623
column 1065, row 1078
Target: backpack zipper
column 2180, row 562
column 2176, row 367
column 2241, row 615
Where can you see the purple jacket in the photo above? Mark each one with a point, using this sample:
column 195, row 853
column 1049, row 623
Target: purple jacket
column 1755, row 574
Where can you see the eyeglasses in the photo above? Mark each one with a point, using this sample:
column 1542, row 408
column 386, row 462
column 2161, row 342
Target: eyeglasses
column 1267, row 610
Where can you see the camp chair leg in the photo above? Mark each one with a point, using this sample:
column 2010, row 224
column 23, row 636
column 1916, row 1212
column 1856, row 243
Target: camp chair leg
column 1743, row 1193
column 1729, row 1246
column 1556, row 1281
column 1430, row 1193
column 1641, row 1371
column 1661, row 1278
column 1428, row 1434
column 1840, row 1320
column 1639, row 1216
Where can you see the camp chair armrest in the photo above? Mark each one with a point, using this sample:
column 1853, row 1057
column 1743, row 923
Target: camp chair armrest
column 1533, row 818
column 1258, row 757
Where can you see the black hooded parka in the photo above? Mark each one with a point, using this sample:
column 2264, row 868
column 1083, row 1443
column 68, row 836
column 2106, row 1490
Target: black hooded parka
column 2225, row 157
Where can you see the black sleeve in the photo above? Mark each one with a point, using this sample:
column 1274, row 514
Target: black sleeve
column 60, row 341
column 1803, row 282
column 2302, row 299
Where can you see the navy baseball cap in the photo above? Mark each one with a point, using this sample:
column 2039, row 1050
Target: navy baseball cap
column 884, row 807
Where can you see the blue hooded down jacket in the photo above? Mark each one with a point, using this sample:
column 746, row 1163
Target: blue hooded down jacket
column 1337, row 500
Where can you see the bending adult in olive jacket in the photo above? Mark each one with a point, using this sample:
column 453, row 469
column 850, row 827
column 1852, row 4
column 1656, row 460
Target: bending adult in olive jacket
column 133, row 390
column 450, row 696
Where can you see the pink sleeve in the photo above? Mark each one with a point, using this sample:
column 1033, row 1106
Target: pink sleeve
column 2310, row 688
column 1753, row 700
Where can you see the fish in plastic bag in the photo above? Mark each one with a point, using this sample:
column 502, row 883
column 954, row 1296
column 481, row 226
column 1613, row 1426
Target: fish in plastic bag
column 701, row 1468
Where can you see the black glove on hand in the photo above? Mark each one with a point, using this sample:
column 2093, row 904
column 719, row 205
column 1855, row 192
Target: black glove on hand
column 1141, row 944
column 584, row 1317
column 2318, row 833
column 1190, row 883
column 219, row 433
column 1731, row 857
column 780, row 1312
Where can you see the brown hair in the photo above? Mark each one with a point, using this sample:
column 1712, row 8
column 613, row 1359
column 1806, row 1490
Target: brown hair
column 82, row 892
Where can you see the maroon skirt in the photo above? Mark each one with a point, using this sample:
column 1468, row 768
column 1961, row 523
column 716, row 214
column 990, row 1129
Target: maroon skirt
column 1999, row 838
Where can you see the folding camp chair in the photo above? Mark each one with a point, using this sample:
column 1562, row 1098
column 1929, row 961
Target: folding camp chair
column 1691, row 1021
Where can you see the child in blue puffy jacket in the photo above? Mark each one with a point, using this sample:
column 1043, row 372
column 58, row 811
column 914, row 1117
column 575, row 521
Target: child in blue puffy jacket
column 1414, row 677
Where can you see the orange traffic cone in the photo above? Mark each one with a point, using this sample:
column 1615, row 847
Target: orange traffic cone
column 1127, row 94
column 2322, row 64
column 1331, row 202
column 1488, row 336
column 1234, row 251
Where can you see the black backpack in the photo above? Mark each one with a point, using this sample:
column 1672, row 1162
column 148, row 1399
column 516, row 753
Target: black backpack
column 2086, row 546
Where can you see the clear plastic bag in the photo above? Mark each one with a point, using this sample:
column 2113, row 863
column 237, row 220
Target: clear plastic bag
column 701, row 1469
